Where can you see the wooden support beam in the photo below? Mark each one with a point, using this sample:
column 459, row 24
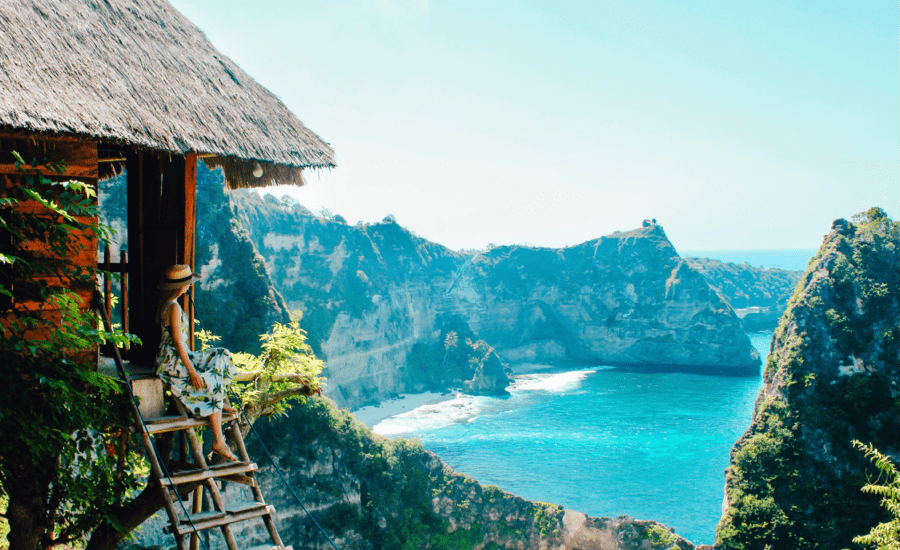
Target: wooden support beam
column 188, row 238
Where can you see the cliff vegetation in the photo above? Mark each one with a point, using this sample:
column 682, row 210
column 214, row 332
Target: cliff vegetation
column 831, row 378
column 759, row 295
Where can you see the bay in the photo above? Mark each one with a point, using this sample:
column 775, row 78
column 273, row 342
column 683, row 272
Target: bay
column 604, row 441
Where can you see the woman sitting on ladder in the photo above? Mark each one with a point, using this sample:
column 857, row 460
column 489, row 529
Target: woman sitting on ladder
column 196, row 378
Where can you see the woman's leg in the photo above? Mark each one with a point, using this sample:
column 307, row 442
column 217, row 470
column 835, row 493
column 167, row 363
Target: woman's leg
column 219, row 445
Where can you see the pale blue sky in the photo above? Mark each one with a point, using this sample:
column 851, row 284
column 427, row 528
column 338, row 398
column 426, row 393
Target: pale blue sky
column 738, row 125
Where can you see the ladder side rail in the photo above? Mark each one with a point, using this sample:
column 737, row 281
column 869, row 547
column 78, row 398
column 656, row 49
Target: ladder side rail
column 211, row 485
column 235, row 429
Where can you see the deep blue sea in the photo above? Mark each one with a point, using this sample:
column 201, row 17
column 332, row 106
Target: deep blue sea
column 596, row 439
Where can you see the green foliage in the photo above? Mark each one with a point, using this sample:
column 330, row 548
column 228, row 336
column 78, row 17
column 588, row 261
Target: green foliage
column 661, row 539
column 59, row 414
column 546, row 517
column 452, row 359
column 886, row 535
column 399, row 484
column 284, row 363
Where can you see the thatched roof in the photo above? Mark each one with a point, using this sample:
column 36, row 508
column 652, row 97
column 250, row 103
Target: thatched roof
column 138, row 72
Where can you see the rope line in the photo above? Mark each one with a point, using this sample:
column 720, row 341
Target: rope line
column 263, row 445
column 280, row 473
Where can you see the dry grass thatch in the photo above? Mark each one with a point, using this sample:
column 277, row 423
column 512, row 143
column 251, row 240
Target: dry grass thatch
column 138, row 72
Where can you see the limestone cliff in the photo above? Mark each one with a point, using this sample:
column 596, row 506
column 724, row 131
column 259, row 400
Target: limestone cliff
column 758, row 295
column 369, row 492
column 236, row 299
column 831, row 377
column 371, row 292
column 623, row 299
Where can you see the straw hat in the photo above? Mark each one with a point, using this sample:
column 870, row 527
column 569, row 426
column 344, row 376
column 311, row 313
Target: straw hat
column 178, row 276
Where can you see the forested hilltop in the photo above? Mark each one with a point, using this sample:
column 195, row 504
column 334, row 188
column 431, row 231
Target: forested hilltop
column 831, row 378
column 758, row 295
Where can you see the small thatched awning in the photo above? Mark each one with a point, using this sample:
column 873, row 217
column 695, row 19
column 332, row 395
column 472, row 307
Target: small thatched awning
column 137, row 72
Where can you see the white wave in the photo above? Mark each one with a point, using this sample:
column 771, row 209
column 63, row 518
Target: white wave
column 434, row 416
column 554, row 383
column 374, row 414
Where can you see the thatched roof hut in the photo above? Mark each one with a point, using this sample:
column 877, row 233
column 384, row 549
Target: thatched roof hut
column 108, row 85
column 137, row 72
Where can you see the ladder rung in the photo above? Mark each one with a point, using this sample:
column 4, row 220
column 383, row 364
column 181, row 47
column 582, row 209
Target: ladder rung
column 162, row 424
column 203, row 516
column 256, row 510
column 219, row 470
column 161, row 419
column 240, row 478
column 242, row 506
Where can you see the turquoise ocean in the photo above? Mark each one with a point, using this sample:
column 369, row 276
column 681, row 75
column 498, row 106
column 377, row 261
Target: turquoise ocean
column 596, row 439
column 607, row 442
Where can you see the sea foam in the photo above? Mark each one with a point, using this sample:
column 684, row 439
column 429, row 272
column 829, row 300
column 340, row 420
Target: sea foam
column 555, row 383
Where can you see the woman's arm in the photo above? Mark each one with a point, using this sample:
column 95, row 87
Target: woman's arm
column 175, row 330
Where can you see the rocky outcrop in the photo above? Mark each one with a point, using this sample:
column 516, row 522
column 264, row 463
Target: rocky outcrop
column 831, row 378
column 371, row 292
column 623, row 299
column 369, row 492
column 489, row 377
column 758, row 295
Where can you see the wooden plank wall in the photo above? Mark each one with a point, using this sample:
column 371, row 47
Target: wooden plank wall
column 161, row 219
column 81, row 156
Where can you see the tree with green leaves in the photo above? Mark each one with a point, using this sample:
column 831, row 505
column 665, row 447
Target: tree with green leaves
column 284, row 371
column 58, row 413
column 69, row 471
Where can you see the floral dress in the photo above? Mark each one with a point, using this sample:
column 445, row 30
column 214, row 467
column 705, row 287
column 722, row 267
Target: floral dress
column 215, row 366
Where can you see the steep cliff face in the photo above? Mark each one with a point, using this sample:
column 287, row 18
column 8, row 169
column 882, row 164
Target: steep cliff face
column 831, row 377
column 758, row 295
column 370, row 293
column 368, row 492
column 236, row 300
column 626, row 298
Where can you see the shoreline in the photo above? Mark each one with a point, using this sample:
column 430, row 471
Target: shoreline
column 371, row 415
column 406, row 402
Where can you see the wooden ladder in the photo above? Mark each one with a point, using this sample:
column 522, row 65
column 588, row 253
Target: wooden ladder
column 148, row 408
column 223, row 514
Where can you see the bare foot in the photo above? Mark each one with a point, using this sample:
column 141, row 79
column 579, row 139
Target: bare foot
column 222, row 450
column 228, row 409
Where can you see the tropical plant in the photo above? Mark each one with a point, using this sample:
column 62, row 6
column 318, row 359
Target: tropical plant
column 284, row 371
column 884, row 536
